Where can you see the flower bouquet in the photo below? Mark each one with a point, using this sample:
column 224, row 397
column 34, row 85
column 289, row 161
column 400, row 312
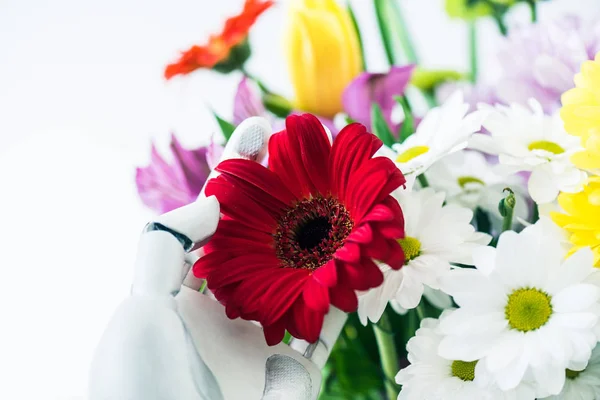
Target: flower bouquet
column 461, row 236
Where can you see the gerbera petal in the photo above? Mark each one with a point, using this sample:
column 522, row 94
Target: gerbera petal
column 362, row 234
column 327, row 274
column 379, row 213
column 258, row 182
column 283, row 293
column 362, row 276
column 314, row 148
column 316, row 296
column 350, row 252
column 371, row 184
column 308, row 322
column 275, row 332
column 351, row 149
column 230, row 198
column 207, row 263
column 239, row 268
column 343, row 298
column 285, row 159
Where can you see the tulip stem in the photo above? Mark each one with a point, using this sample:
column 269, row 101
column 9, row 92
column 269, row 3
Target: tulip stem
column 473, row 49
column 388, row 354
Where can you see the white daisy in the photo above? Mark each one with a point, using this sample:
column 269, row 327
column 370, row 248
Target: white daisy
column 528, row 140
column 436, row 235
column 525, row 312
column 435, row 297
column 443, row 130
column 469, row 180
column 431, row 377
column 582, row 385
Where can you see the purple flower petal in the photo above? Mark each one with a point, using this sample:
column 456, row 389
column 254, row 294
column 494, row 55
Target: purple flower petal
column 247, row 102
column 378, row 88
column 214, row 151
column 540, row 60
column 164, row 187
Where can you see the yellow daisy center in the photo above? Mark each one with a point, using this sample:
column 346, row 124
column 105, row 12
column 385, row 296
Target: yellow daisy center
column 411, row 247
column 528, row 309
column 465, row 180
column 547, row 146
column 411, row 153
column 464, row 370
column 570, row 374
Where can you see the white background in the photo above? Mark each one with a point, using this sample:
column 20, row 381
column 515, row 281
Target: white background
column 81, row 97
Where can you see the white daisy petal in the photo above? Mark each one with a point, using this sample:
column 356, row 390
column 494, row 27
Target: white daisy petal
column 575, row 298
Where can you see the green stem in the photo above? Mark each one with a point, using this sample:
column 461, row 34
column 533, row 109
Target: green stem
column 533, row 7
column 260, row 83
column 501, row 26
column 388, row 355
column 358, row 35
column 535, row 214
column 507, row 221
column 421, row 311
column 473, row 49
column 429, row 98
column 405, row 37
column 423, row 180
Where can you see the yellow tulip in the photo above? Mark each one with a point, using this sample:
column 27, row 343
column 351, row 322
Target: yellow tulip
column 323, row 54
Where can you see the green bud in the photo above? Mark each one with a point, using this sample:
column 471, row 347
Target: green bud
column 278, row 105
column 507, row 204
column 430, row 79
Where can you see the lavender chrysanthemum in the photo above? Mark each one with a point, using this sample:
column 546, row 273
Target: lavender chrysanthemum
column 540, row 60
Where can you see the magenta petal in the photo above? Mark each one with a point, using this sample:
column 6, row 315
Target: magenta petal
column 164, row 186
column 192, row 163
column 247, row 102
column 378, row 88
column 214, row 152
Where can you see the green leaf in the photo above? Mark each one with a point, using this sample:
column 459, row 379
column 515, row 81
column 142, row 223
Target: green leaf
column 358, row 35
column 429, row 79
column 408, row 125
column 278, row 105
column 227, row 128
column 380, row 127
column 394, row 35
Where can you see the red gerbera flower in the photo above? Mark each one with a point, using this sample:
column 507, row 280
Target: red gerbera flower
column 302, row 234
column 219, row 46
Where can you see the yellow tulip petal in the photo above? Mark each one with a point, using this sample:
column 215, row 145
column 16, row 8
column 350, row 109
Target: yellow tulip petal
column 323, row 54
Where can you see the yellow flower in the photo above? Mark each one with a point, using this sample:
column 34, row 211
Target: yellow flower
column 581, row 114
column 581, row 217
column 323, row 54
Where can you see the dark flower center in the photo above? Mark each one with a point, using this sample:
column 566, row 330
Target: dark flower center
column 311, row 231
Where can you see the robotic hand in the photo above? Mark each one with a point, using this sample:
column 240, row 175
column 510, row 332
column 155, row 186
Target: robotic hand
column 170, row 341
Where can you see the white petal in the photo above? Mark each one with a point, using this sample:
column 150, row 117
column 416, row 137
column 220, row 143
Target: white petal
column 542, row 186
column 575, row 298
column 484, row 258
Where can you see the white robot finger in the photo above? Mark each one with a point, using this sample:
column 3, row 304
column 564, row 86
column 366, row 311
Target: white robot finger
column 249, row 141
